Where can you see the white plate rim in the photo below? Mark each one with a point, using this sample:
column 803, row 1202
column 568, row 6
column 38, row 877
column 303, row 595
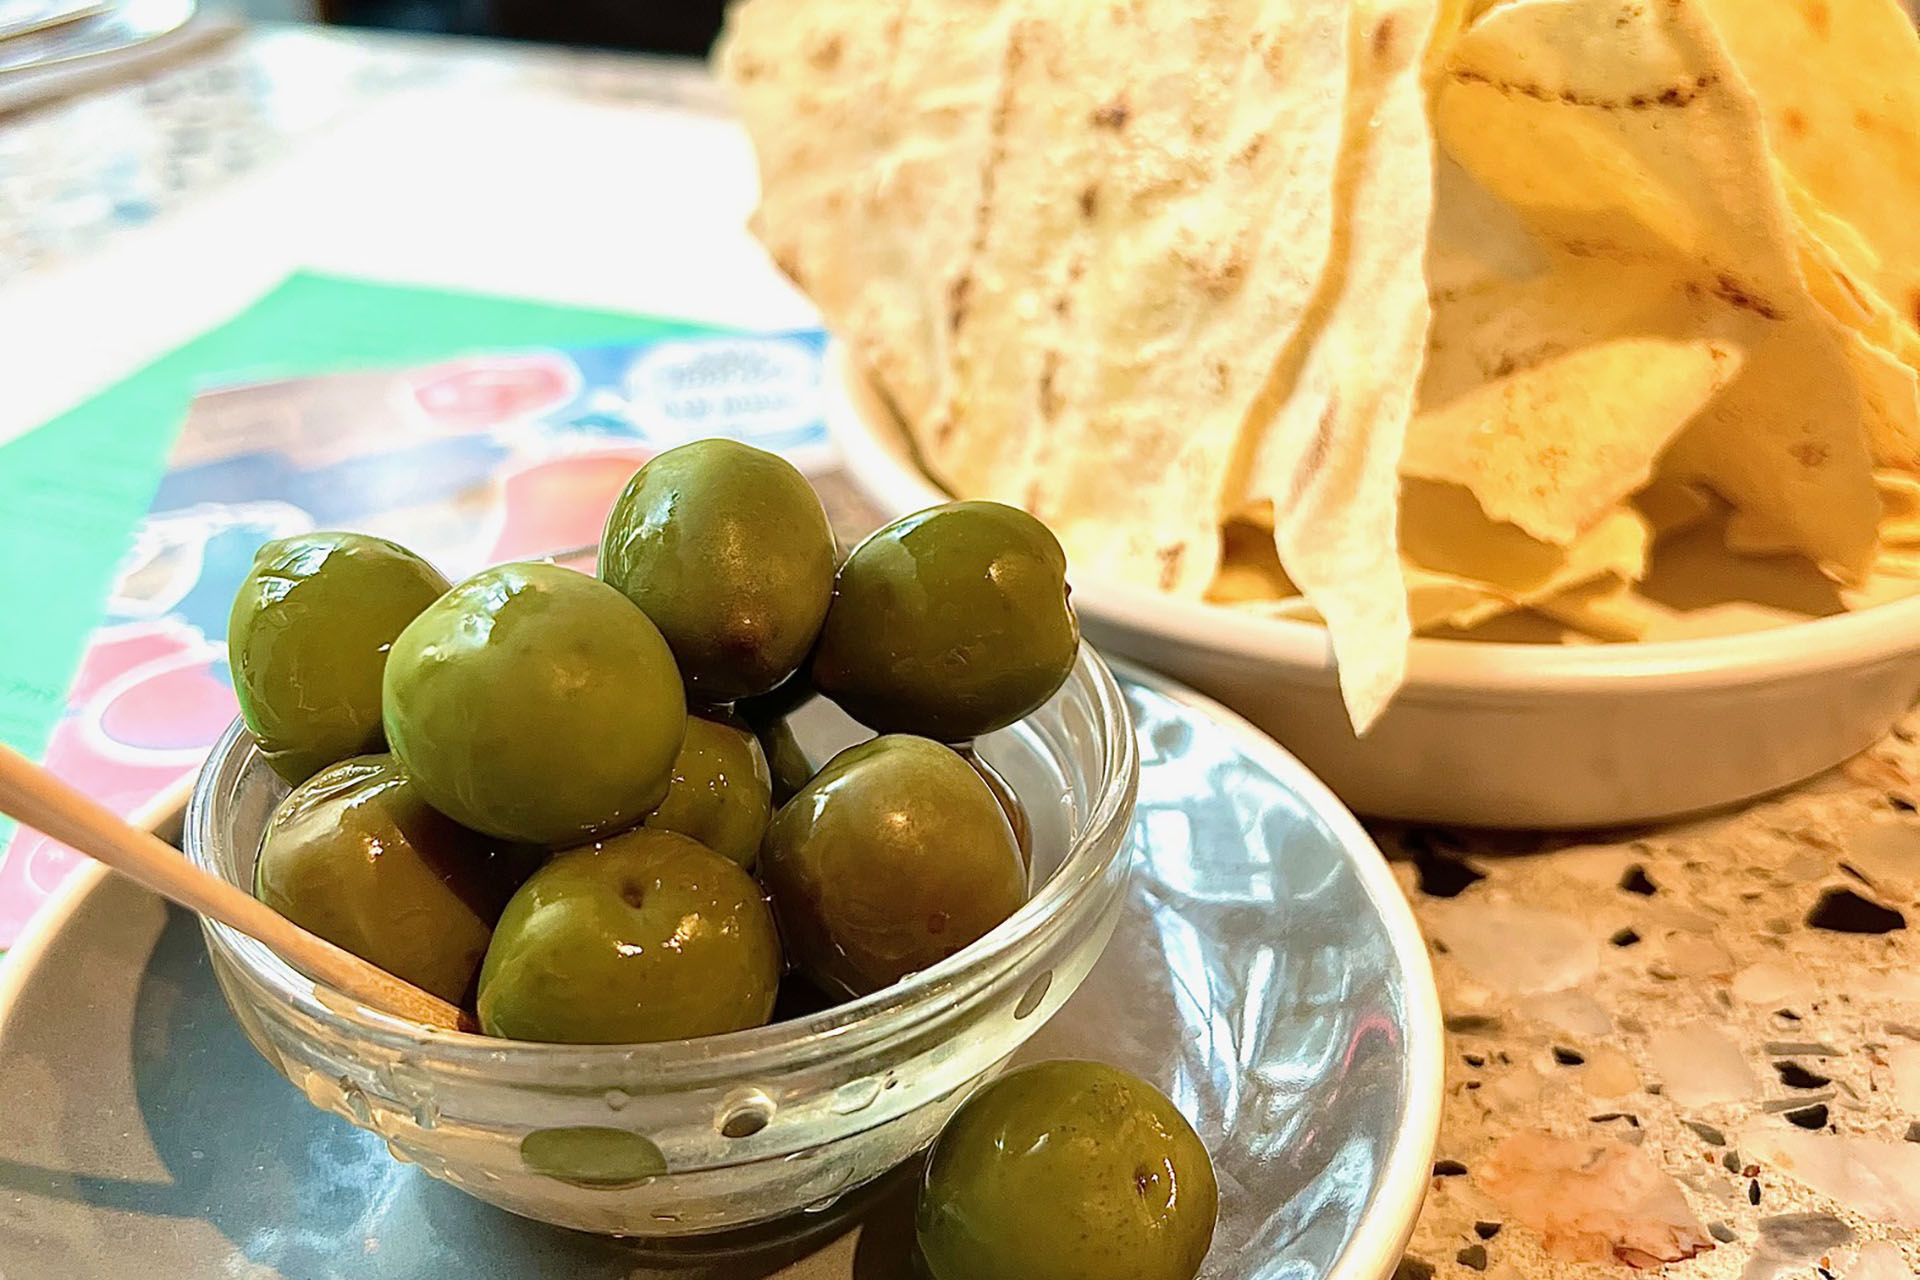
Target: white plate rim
column 23, row 958
column 158, row 816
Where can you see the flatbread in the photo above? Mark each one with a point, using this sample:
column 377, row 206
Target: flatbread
column 1554, row 446
column 1621, row 133
column 1552, row 384
column 1250, row 570
column 1882, row 346
column 1838, row 86
column 1466, row 570
column 873, row 123
column 1900, row 508
column 1840, row 267
column 1085, row 272
column 1327, row 457
column 1445, row 533
column 1154, row 254
column 1189, row 282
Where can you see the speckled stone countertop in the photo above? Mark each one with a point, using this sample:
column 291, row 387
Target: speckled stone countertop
column 1694, row 1048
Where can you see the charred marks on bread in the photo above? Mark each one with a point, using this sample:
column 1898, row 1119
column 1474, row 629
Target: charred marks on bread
column 1112, row 114
column 1511, row 362
column 1076, row 268
column 1684, row 92
column 1220, row 270
column 1063, row 303
column 944, row 428
column 1605, row 250
column 1272, row 56
column 1049, row 397
column 1322, row 443
column 825, row 56
column 996, row 156
column 957, row 294
column 1170, row 558
column 1732, row 291
column 1223, row 278
column 1318, row 449
column 1382, row 41
column 1811, row 454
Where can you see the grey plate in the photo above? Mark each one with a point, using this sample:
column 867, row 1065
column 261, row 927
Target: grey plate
column 1267, row 975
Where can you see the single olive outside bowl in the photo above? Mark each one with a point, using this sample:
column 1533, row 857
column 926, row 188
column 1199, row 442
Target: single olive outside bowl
column 697, row 1136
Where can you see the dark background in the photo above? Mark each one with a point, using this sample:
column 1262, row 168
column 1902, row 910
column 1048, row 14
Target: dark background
column 661, row 26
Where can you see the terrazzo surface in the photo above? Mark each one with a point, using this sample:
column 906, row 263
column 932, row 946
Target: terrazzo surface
column 1695, row 1046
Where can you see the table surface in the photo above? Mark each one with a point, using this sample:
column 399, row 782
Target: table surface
column 1695, row 1042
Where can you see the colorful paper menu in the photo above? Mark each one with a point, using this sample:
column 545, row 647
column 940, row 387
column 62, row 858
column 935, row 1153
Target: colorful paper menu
column 504, row 454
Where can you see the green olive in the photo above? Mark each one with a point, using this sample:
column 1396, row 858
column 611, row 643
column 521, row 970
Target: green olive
column 721, row 793
column 950, row 623
column 535, row 704
column 727, row 548
column 1067, row 1171
column 356, row 856
column 894, row 857
column 644, row 936
column 308, row 640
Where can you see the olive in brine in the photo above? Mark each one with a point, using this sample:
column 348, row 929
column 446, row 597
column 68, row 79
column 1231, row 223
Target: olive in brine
column 950, row 623
column 894, row 857
column 536, row 704
column 720, row 792
column 644, row 936
column 356, row 856
column 727, row 548
column 307, row 642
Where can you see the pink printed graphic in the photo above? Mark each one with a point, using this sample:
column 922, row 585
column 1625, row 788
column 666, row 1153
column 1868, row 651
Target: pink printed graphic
column 486, row 391
column 148, row 701
column 557, row 506
column 168, row 710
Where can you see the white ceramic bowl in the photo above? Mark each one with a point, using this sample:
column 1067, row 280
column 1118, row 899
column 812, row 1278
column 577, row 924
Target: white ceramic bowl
column 1484, row 734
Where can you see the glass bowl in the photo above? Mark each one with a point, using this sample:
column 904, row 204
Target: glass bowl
column 697, row 1136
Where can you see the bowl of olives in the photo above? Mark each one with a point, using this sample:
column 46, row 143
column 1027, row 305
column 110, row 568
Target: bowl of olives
column 748, row 860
